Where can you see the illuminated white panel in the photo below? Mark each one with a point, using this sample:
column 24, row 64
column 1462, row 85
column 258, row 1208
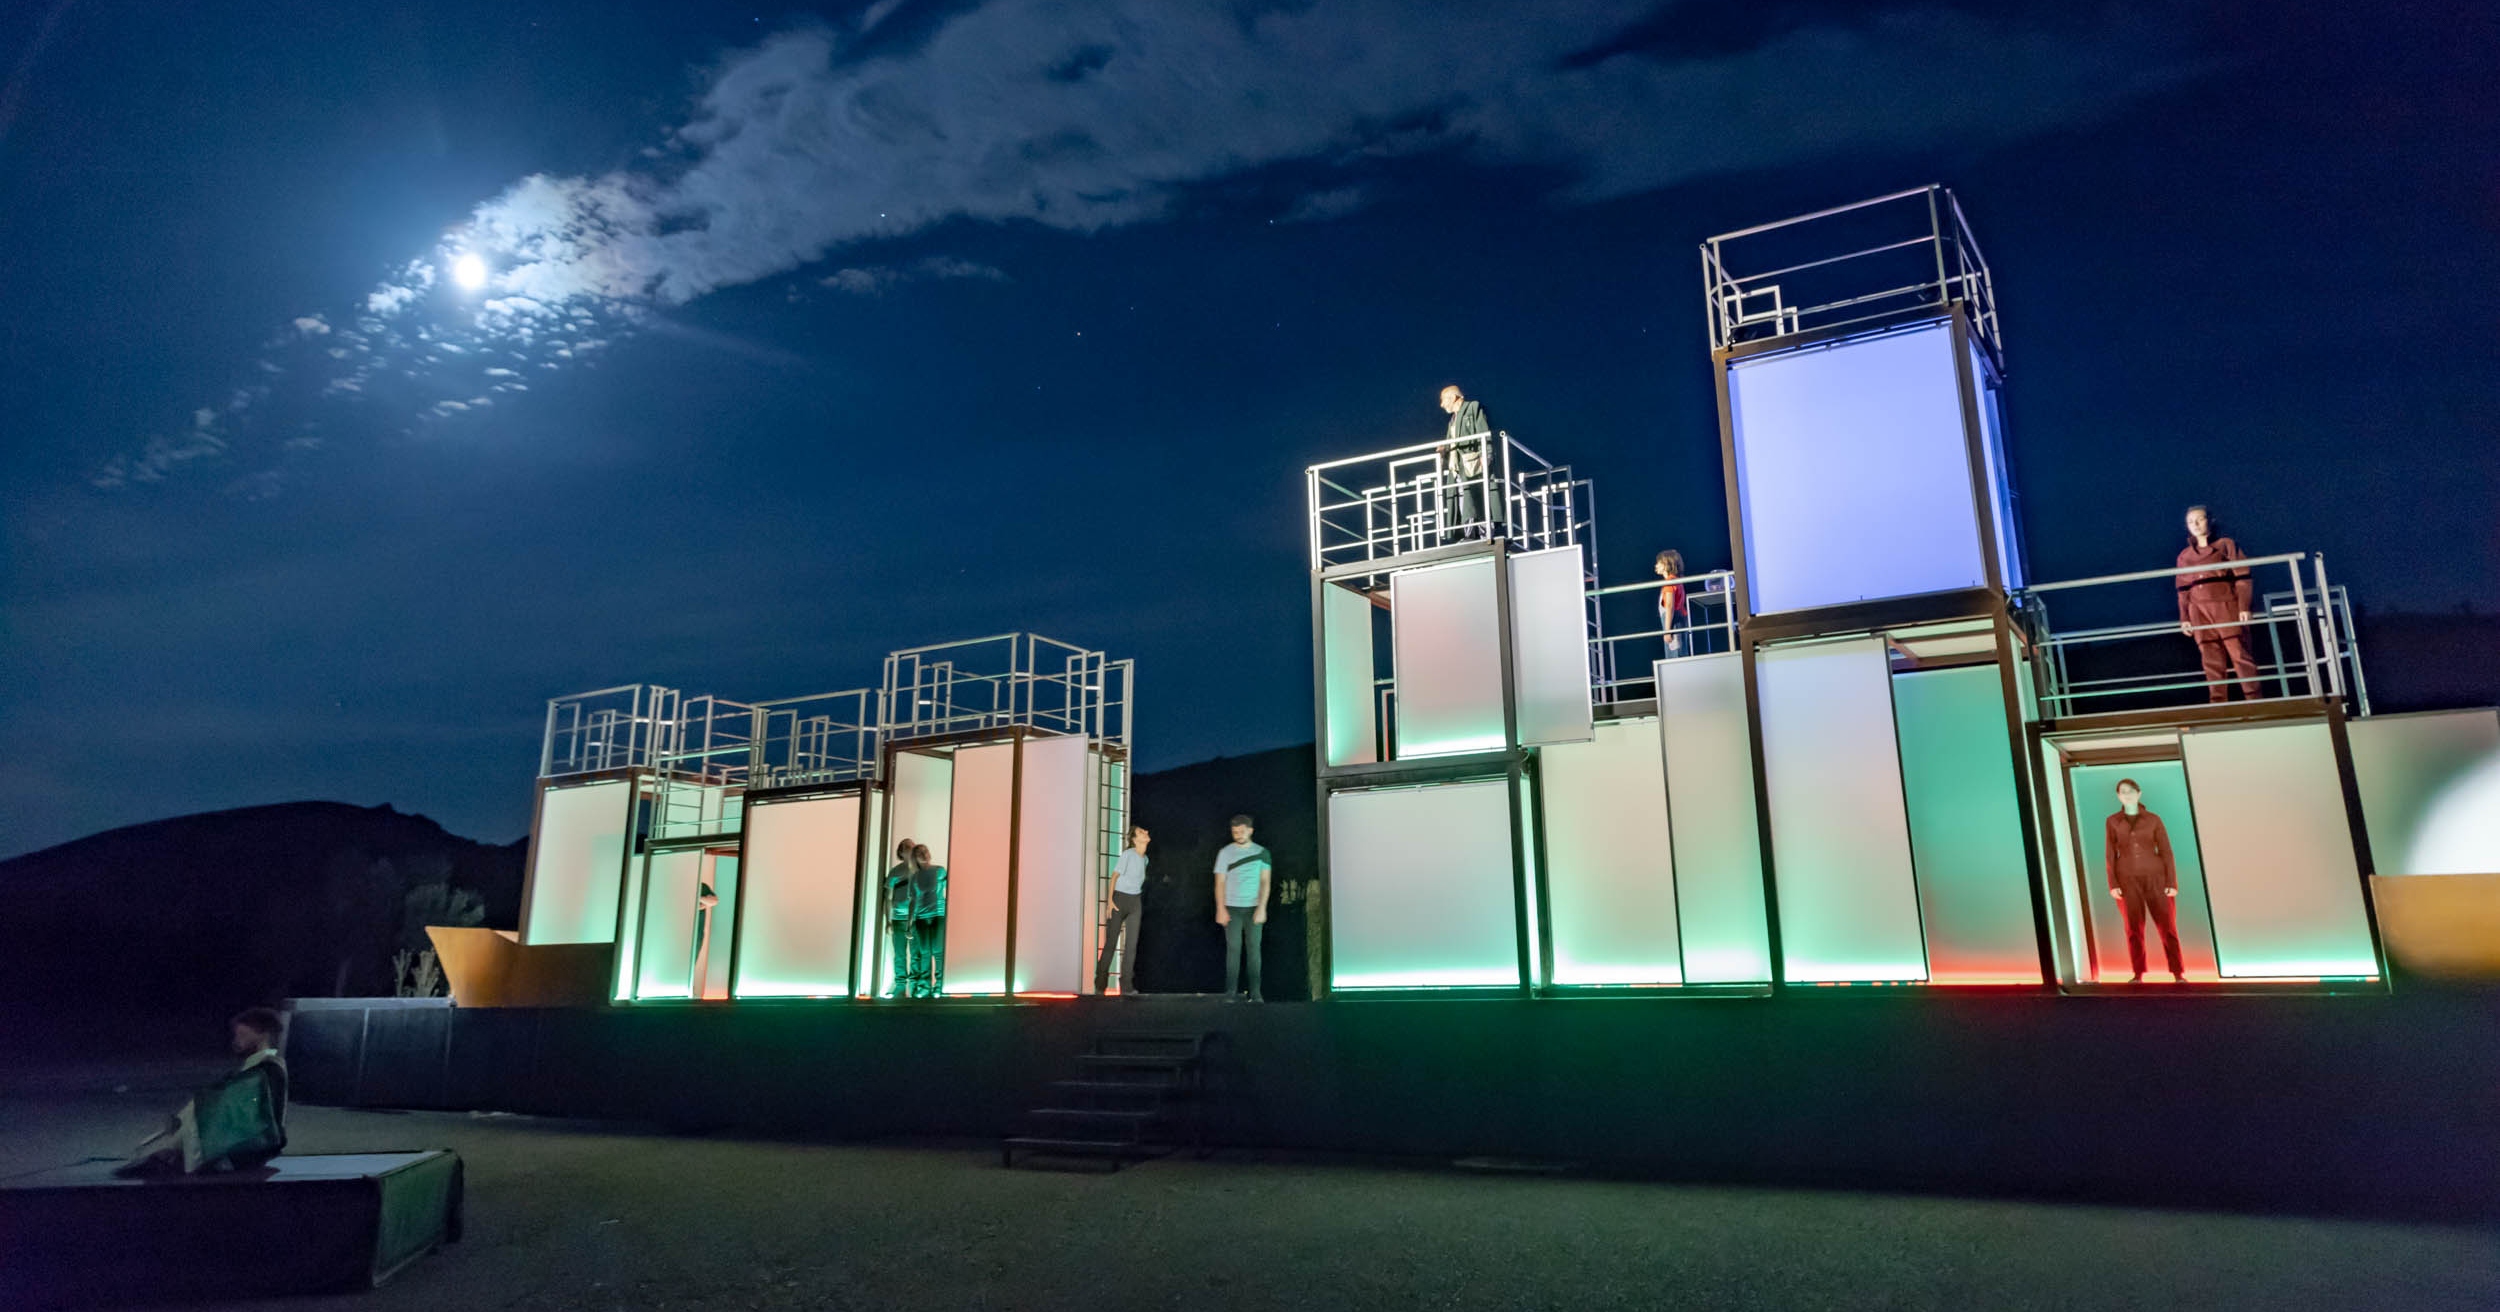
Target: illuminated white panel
column 801, row 888
column 1609, row 868
column 1051, row 906
column 976, row 869
column 1717, row 837
column 1422, row 888
column 2279, row 867
column 1446, row 640
column 1853, row 472
column 867, row 918
column 2000, row 477
column 2414, row 771
column 576, row 863
column 1840, row 835
column 665, row 963
column 1549, row 654
column 1346, row 647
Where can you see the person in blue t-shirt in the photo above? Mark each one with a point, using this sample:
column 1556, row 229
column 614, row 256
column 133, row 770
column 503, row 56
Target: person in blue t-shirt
column 1242, row 872
column 1128, row 898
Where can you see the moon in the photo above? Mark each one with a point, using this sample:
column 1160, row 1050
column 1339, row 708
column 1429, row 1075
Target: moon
column 469, row 271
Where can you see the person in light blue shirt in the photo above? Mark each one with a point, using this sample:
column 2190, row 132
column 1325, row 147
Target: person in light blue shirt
column 1242, row 871
column 1128, row 898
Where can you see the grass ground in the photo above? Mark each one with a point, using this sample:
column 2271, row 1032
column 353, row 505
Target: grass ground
column 571, row 1216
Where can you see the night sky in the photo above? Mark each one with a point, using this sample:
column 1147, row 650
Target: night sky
column 809, row 335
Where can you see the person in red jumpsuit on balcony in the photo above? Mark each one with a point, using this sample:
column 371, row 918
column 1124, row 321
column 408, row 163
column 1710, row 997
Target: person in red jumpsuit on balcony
column 2213, row 607
column 2144, row 877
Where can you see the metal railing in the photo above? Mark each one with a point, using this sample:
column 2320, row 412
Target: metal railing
column 1854, row 264
column 617, row 728
column 2299, row 640
column 829, row 737
column 1007, row 680
column 1707, row 626
column 1387, row 504
column 699, row 785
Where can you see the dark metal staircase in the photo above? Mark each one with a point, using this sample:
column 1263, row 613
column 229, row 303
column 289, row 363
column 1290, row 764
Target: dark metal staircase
column 1137, row 1095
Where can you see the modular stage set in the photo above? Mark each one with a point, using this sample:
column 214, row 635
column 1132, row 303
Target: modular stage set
column 1798, row 874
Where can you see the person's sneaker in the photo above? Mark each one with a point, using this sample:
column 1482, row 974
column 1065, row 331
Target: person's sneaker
column 2135, row 979
column 2177, row 978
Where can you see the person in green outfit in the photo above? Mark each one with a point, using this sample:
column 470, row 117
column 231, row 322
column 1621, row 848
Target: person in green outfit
column 928, row 924
column 235, row 1124
column 898, row 919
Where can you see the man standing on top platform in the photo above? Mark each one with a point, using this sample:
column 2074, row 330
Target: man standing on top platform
column 1242, row 871
column 1463, row 464
column 2213, row 607
column 898, row 933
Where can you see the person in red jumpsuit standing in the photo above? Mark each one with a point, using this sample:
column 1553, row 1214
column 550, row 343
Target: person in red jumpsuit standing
column 2144, row 877
column 2213, row 607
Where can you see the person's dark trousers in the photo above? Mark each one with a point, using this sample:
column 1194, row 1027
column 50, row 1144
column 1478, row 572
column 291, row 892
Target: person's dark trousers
column 899, row 951
column 1124, row 919
column 2145, row 898
column 928, row 956
column 1242, row 931
column 2223, row 654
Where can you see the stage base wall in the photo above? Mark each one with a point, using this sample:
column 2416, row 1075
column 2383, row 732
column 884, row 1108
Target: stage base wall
column 2361, row 1104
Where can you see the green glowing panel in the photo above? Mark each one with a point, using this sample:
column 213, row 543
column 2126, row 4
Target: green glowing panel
column 576, row 863
column 1966, row 835
column 1715, row 830
column 1610, row 876
column 1422, row 886
column 1447, row 645
column 2279, row 862
column 1840, row 837
column 665, row 950
column 801, row 886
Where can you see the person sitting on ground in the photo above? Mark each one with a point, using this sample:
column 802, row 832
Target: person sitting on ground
column 235, row 1124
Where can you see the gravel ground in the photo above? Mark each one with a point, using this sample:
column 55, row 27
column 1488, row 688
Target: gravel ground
column 565, row 1215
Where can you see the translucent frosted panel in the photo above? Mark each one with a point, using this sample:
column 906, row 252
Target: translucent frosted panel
column 976, row 869
column 1446, row 644
column 2066, row 924
column 2413, row 770
column 2278, row 852
column 2094, row 790
column 867, row 919
column 2000, row 479
column 1609, row 864
column 1840, row 840
column 1051, row 910
column 1853, row 472
column 576, row 863
column 1421, row 879
column 1346, row 649
column 1710, row 806
column 1549, row 654
column 666, row 961
column 1966, row 835
column 801, row 889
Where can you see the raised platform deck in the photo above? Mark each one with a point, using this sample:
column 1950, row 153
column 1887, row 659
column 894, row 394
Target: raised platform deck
column 2367, row 1103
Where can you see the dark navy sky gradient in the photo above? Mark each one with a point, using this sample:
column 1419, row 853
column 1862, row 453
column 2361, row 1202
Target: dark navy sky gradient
column 2265, row 276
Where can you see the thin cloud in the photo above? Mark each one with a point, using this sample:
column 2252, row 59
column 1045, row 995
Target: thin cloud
column 1085, row 115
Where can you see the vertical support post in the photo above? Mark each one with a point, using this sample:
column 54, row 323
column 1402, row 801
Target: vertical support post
column 1015, row 850
column 1748, row 646
column 2009, row 683
column 2361, row 854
